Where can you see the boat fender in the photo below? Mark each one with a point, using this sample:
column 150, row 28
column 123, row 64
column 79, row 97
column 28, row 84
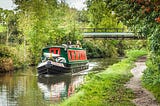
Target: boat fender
column 61, row 60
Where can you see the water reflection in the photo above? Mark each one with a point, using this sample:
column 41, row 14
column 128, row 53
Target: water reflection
column 20, row 89
column 56, row 88
column 5, row 89
column 24, row 88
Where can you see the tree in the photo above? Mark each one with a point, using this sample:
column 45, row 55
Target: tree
column 35, row 22
column 100, row 16
column 43, row 23
column 8, row 20
column 143, row 17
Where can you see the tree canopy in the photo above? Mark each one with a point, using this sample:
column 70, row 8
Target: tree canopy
column 143, row 17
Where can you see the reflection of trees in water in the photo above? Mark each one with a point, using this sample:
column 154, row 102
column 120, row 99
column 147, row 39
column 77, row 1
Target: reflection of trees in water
column 22, row 90
column 9, row 88
column 56, row 88
column 4, row 83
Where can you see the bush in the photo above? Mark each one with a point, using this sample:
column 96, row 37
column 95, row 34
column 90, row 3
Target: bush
column 151, row 79
column 10, row 58
column 99, row 49
column 6, row 51
column 6, row 64
column 6, row 61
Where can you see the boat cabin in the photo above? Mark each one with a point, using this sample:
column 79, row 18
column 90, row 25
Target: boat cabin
column 68, row 55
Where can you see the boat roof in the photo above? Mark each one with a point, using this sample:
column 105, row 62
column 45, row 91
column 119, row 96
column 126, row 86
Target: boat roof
column 53, row 47
column 69, row 47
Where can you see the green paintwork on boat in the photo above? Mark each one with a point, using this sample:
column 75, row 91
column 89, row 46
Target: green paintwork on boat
column 64, row 53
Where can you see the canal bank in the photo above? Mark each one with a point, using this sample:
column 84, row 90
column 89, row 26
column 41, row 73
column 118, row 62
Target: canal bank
column 24, row 87
column 107, row 87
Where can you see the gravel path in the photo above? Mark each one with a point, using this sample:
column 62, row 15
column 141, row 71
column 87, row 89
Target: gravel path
column 143, row 97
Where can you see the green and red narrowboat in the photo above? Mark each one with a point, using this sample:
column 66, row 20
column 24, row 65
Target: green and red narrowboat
column 62, row 59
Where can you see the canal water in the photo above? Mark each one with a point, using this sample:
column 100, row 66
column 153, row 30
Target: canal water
column 25, row 88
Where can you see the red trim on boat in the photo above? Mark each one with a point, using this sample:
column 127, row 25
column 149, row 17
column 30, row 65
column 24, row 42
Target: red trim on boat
column 54, row 50
column 77, row 55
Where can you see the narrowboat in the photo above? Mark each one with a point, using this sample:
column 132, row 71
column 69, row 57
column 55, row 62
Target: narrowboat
column 62, row 59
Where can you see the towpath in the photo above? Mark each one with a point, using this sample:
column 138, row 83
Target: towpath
column 143, row 97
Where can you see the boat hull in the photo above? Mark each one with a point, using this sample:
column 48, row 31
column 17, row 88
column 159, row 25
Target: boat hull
column 58, row 68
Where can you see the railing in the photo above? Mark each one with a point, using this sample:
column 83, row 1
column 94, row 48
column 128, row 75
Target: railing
column 112, row 36
column 110, row 33
column 103, row 30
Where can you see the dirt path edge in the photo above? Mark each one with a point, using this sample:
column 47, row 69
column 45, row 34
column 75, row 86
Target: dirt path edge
column 143, row 96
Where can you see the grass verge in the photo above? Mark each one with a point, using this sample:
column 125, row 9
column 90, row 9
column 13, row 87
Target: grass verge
column 151, row 79
column 107, row 88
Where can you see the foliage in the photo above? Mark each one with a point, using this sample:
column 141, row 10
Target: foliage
column 6, row 63
column 107, row 87
column 8, row 21
column 142, row 17
column 99, row 16
column 5, row 51
column 45, row 22
column 134, row 44
column 33, row 25
column 111, row 48
column 12, row 56
column 2, row 28
column 151, row 79
column 40, row 23
column 101, row 48
column 83, row 17
column 51, row 22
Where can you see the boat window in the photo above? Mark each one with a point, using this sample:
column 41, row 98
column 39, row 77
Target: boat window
column 54, row 50
column 69, row 55
column 77, row 55
column 83, row 55
column 82, row 58
column 73, row 55
column 57, row 52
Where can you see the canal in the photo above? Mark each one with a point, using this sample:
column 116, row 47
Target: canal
column 25, row 88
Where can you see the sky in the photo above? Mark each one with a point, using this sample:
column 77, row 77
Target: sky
column 8, row 4
column 79, row 4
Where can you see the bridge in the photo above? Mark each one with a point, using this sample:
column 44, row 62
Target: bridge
column 109, row 33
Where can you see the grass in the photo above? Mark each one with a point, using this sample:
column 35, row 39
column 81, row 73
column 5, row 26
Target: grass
column 151, row 79
column 107, row 88
column 155, row 90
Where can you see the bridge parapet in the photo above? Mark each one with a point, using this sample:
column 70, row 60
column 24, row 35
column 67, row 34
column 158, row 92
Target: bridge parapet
column 103, row 30
column 109, row 33
column 120, row 35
